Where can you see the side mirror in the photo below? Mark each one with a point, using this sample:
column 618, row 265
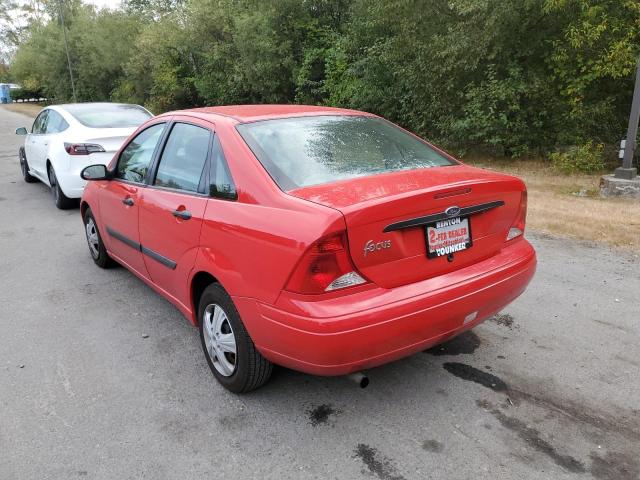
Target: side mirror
column 21, row 131
column 95, row 172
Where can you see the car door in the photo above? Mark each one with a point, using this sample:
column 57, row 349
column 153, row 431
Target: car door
column 120, row 198
column 55, row 125
column 36, row 145
column 173, row 207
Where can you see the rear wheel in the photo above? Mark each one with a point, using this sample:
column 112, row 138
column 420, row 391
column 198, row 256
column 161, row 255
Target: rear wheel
column 230, row 352
column 60, row 199
column 94, row 240
column 24, row 167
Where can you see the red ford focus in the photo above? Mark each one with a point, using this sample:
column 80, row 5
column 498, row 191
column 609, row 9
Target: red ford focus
column 325, row 240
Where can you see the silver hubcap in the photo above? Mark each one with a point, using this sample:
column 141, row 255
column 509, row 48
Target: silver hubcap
column 92, row 238
column 219, row 339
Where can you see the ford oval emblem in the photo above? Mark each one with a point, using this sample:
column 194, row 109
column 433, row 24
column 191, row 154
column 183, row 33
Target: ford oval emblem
column 452, row 211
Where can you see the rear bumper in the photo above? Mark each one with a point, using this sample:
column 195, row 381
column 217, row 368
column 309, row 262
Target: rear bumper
column 71, row 182
column 376, row 326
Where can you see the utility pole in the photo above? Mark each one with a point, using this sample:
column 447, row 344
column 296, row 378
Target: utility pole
column 66, row 47
column 627, row 171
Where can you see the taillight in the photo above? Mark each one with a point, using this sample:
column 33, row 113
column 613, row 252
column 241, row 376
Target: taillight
column 325, row 266
column 82, row 148
column 517, row 229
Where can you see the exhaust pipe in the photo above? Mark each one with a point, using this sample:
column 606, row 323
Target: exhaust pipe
column 360, row 378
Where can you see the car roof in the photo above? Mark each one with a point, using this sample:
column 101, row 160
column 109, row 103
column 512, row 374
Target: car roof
column 253, row 113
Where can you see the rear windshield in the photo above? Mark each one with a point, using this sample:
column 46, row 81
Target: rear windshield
column 305, row 151
column 106, row 115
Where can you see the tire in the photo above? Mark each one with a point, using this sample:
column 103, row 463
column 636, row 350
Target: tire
column 250, row 370
column 94, row 241
column 60, row 199
column 24, row 167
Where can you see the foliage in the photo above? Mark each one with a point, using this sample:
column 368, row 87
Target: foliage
column 24, row 94
column 587, row 158
column 514, row 76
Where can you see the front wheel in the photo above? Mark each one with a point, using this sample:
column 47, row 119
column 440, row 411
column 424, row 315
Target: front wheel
column 24, row 167
column 60, row 199
column 228, row 348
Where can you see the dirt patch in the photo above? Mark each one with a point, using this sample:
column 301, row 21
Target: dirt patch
column 320, row 414
column 433, row 446
column 380, row 466
column 465, row 343
column 503, row 319
column 532, row 437
column 615, row 466
column 29, row 109
column 472, row 374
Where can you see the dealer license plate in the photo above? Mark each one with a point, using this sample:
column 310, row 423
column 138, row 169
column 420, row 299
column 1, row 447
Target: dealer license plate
column 448, row 236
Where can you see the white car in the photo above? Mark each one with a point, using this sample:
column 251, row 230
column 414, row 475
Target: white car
column 66, row 138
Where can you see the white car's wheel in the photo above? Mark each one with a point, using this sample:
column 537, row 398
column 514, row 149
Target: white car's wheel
column 61, row 200
column 24, row 167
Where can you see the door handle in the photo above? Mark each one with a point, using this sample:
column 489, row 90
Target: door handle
column 128, row 201
column 183, row 214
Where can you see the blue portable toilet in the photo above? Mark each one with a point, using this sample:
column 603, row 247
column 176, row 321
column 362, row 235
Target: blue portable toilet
column 5, row 95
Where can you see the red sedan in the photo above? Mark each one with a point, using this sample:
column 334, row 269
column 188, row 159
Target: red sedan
column 325, row 240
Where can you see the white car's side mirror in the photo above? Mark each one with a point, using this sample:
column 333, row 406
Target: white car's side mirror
column 21, row 131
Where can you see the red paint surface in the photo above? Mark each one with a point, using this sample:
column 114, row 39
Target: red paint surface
column 253, row 245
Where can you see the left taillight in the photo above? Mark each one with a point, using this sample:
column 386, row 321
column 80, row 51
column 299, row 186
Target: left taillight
column 517, row 228
column 83, row 148
column 325, row 267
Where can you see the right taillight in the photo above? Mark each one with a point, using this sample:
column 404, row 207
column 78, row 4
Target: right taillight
column 517, row 229
column 325, row 267
column 83, row 148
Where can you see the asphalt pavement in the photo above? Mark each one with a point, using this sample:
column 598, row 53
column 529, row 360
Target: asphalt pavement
column 101, row 378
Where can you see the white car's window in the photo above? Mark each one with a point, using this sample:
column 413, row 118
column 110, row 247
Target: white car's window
column 108, row 115
column 136, row 157
column 56, row 123
column 40, row 123
column 304, row 151
column 183, row 158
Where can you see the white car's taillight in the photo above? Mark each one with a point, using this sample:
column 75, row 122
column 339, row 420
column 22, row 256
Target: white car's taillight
column 83, row 148
column 517, row 228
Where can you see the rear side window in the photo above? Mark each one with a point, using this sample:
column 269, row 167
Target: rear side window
column 222, row 185
column 136, row 157
column 304, row 151
column 183, row 159
column 108, row 115
column 56, row 123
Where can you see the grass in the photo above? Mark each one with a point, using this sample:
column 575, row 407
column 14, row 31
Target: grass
column 571, row 206
column 30, row 109
column 559, row 204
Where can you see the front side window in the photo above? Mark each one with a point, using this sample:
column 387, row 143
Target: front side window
column 183, row 158
column 56, row 123
column 136, row 157
column 304, row 151
column 41, row 123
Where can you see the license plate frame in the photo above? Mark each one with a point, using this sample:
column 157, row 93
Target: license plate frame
column 445, row 226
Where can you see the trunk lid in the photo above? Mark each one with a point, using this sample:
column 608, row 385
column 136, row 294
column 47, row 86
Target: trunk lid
column 392, row 258
column 111, row 139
